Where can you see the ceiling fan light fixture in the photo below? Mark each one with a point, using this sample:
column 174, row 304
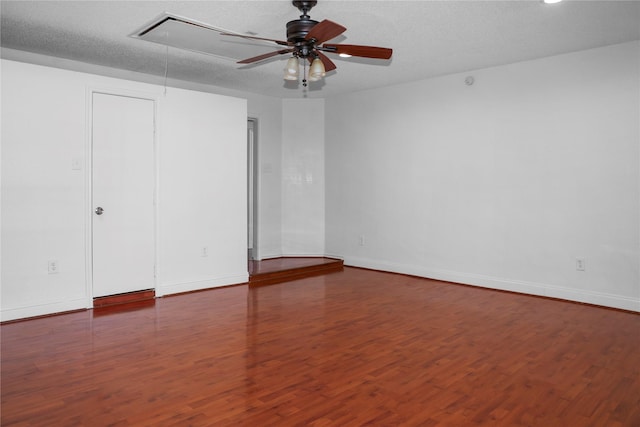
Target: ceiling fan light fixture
column 291, row 70
column 290, row 76
column 317, row 70
column 292, row 65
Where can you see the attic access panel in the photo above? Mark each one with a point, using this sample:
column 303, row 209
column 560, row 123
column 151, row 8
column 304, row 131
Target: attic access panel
column 188, row 34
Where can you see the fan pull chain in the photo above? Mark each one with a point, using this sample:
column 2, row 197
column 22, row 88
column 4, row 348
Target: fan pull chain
column 304, row 74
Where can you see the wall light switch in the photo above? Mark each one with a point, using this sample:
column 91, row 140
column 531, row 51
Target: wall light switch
column 52, row 266
column 76, row 164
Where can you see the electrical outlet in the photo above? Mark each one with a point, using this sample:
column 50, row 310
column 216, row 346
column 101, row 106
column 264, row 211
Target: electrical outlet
column 580, row 264
column 76, row 163
column 205, row 251
column 52, row 266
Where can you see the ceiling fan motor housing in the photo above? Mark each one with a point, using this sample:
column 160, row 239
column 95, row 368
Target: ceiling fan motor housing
column 298, row 29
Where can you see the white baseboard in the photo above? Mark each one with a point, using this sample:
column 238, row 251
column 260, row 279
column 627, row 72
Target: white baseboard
column 216, row 282
column 306, row 255
column 530, row 288
column 298, row 255
column 45, row 309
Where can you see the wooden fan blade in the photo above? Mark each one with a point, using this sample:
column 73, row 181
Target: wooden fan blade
column 325, row 30
column 328, row 64
column 362, row 51
column 280, row 42
column 264, row 56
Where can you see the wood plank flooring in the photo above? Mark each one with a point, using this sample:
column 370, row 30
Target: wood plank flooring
column 350, row 348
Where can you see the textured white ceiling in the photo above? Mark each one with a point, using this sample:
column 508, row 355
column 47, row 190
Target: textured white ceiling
column 429, row 38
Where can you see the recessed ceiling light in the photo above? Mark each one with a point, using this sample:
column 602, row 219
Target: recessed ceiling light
column 551, row 1
column 344, row 55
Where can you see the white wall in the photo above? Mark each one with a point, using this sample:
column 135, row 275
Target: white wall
column 303, row 188
column 203, row 191
column 43, row 129
column 267, row 110
column 500, row 184
column 202, row 188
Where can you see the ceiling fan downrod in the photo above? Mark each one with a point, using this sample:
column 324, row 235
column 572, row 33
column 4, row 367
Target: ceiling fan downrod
column 304, row 6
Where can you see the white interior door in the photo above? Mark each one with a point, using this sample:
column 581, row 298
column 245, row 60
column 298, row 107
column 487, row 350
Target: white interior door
column 123, row 182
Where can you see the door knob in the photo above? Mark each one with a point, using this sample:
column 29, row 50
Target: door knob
column 99, row 210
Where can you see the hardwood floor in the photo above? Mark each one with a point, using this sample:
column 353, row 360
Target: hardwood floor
column 350, row 348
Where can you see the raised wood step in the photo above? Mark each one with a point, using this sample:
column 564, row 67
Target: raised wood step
column 279, row 270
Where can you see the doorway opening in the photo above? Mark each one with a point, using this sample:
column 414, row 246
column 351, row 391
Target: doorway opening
column 252, row 188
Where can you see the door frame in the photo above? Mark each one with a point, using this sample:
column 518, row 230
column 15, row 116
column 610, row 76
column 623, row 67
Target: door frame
column 88, row 176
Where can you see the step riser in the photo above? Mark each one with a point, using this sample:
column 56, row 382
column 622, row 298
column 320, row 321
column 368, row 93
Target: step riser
column 294, row 274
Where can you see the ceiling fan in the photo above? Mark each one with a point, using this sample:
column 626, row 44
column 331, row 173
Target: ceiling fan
column 306, row 41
